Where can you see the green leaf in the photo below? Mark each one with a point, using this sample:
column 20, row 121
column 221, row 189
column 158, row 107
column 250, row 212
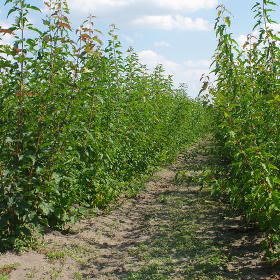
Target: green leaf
column 12, row 11
column 271, row 3
column 33, row 159
column 46, row 208
column 276, row 199
column 9, row 140
column 34, row 8
column 268, row 181
column 227, row 21
column 8, row 1
column 36, row 30
column 271, row 166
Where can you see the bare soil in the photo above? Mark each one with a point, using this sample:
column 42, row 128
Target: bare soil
column 171, row 230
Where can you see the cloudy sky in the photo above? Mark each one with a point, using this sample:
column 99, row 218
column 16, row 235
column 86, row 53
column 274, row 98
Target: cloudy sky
column 176, row 33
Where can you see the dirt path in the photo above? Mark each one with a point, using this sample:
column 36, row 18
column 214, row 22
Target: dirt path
column 171, row 230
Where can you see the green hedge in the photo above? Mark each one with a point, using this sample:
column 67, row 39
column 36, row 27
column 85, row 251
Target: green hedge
column 246, row 101
column 79, row 122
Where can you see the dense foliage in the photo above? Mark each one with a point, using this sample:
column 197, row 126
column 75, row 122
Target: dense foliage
column 246, row 101
column 79, row 122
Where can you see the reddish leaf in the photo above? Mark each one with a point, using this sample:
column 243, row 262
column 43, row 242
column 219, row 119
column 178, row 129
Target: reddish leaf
column 84, row 37
column 17, row 50
column 6, row 31
column 65, row 25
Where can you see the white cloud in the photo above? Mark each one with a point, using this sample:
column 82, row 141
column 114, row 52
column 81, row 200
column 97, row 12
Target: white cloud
column 169, row 22
column 197, row 64
column 192, row 72
column 186, row 5
column 162, row 44
column 254, row 36
column 142, row 6
column 189, row 71
column 88, row 6
column 242, row 39
column 251, row 38
column 5, row 39
column 275, row 27
column 127, row 38
column 3, row 25
column 152, row 59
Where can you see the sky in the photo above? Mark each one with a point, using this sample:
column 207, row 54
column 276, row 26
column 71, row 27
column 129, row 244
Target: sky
column 175, row 33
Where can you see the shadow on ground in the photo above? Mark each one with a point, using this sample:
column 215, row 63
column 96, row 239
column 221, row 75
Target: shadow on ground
column 183, row 233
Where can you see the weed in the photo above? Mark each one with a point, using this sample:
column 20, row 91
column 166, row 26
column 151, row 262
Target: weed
column 6, row 270
column 78, row 276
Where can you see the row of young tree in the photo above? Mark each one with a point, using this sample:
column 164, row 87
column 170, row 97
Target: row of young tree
column 80, row 123
column 246, row 101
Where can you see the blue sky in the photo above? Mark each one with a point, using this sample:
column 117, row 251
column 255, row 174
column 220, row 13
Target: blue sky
column 176, row 33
